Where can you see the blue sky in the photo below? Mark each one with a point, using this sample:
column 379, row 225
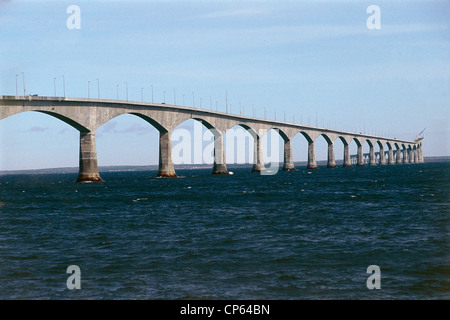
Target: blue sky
column 306, row 59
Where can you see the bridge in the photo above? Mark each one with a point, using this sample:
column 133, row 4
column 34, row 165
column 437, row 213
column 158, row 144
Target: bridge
column 87, row 115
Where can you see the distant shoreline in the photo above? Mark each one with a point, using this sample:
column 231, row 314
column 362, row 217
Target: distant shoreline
column 70, row 170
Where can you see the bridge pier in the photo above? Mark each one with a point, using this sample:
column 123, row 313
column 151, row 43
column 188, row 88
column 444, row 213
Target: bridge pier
column 220, row 166
column 391, row 156
column 258, row 160
column 166, row 168
column 382, row 156
column 331, row 163
column 88, row 168
column 360, row 161
column 288, row 160
column 420, row 154
column 398, row 156
column 311, row 156
column 405, row 156
column 372, row 161
column 347, row 161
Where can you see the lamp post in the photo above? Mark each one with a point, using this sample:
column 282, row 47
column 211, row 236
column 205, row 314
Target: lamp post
column 152, row 94
column 17, row 93
column 89, row 92
column 24, row 89
column 226, row 101
column 117, row 91
column 54, row 86
column 174, row 97
column 142, row 94
column 98, row 87
column 126, row 90
column 64, row 86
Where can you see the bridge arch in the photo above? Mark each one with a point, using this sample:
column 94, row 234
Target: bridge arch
column 128, row 138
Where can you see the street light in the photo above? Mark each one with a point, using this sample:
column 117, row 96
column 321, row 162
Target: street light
column 24, row 90
column 98, row 87
column 64, row 85
column 117, row 91
column 174, row 97
column 17, row 93
column 142, row 94
column 126, row 90
column 152, row 94
column 89, row 93
column 54, row 85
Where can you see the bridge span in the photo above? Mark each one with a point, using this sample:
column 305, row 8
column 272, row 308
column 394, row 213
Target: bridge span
column 87, row 115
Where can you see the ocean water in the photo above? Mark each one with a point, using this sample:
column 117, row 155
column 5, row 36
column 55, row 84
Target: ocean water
column 309, row 234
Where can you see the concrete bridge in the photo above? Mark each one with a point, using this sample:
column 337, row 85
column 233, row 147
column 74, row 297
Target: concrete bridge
column 87, row 115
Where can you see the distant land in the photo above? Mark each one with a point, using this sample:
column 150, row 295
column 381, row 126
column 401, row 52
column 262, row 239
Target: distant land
column 299, row 165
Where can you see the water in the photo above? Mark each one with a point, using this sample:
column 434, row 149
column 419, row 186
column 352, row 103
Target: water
column 294, row 235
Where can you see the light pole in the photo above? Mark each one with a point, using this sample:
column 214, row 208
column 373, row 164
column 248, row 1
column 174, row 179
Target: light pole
column 126, row 90
column 64, row 86
column 117, row 91
column 193, row 100
column 54, row 85
column 142, row 94
column 174, row 97
column 89, row 93
column 24, row 90
column 152, row 94
column 17, row 93
column 183, row 99
column 226, row 100
column 98, row 87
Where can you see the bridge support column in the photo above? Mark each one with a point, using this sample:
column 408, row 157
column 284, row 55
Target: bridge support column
column 311, row 156
column 398, row 156
column 258, row 161
column 288, row 161
column 405, row 156
column 421, row 154
column 88, row 168
column 391, row 157
column 220, row 166
column 331, row 163
column 360, row 160
column 372, row 161
column 416, row 156
column 382, row 156
column 347, row 161
column 166, row 168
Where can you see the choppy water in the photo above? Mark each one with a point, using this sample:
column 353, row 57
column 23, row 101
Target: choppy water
column 295, row 235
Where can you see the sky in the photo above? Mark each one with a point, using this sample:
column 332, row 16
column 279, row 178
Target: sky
column 310, row 62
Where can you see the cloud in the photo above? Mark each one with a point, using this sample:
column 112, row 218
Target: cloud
column 229, row 13
column 37, row 129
